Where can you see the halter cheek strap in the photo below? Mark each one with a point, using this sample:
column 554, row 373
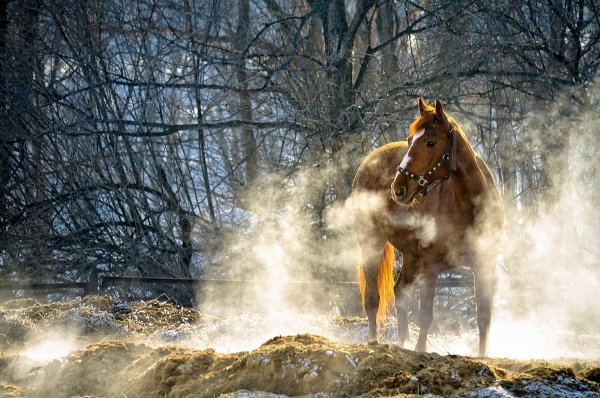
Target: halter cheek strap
column 449, row 155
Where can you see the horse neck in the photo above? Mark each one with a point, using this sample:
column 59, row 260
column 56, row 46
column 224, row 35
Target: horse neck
column 468, row 180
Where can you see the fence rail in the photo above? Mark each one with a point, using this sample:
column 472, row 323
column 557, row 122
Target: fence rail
column 97, row 285
column 43, row 286
column 342, row 296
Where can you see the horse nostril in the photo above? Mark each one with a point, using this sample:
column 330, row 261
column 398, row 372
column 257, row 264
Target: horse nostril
column 401, row 192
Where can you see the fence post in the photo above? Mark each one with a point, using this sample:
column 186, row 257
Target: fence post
column 92, row 287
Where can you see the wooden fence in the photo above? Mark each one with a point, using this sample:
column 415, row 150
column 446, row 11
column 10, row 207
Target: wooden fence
column 98, row 285
column 319, row 295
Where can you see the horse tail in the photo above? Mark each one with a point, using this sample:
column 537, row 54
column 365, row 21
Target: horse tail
column 385, row 281
column 360, row 275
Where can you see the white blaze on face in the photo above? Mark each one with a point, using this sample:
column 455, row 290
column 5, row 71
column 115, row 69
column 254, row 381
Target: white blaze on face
column 407, row 157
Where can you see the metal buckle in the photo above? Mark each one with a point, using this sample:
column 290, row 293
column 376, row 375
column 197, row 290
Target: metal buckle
column 422, row 181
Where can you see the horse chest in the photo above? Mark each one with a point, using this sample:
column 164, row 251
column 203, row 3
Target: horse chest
column 443, row 234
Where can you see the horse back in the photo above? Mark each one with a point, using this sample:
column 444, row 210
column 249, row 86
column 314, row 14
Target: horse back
column 377, row 170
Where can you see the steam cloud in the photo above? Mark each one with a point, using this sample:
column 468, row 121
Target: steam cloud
column 548, row 287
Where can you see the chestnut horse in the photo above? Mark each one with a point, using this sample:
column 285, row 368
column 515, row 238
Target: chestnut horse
column 436, row 202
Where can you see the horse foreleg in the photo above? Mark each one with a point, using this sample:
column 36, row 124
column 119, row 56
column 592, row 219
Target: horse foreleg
column 403, row 290
column 426, row 309
column 484, row 286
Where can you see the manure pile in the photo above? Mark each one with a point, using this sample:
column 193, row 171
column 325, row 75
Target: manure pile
column 150, row 349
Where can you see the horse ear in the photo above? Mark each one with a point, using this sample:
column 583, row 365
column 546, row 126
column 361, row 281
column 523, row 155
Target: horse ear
column 439, row 111
column 422, row 106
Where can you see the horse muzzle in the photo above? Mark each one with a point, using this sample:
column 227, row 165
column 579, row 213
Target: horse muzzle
column 401, row 195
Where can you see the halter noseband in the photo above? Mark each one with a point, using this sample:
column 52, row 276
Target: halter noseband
column 450, row 154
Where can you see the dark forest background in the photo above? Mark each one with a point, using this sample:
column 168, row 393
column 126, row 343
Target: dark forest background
column 137, row 135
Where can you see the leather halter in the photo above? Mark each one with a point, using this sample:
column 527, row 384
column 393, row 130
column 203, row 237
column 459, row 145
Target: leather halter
column 448, row 159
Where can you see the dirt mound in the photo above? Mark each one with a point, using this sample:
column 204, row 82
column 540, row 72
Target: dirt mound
column 303, row 365
column 94, row 317
column 130, row 362
column 8, row 390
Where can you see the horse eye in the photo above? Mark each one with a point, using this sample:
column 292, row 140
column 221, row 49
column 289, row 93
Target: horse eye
column 430, row 144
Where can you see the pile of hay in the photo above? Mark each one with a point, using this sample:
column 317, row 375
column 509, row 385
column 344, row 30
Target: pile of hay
column 121, row 351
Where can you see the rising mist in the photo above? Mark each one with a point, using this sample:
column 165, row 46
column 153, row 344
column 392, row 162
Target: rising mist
column 548, row 284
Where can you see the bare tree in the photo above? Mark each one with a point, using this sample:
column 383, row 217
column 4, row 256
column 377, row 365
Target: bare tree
column 133, row 133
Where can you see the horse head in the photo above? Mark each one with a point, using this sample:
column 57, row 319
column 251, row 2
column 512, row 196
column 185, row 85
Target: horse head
column 431, row 154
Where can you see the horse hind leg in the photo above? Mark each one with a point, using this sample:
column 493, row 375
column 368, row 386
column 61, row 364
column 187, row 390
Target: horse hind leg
column 425, row 309
column 375, row 273
column 403, row 290
column 484, row 287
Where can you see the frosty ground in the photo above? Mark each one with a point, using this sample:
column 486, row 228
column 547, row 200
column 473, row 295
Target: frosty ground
column 96, row 347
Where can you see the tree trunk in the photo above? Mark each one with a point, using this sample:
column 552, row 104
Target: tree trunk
column 4, row 125
column 197, row 73
column 248, row 137
column 340, row 95
column 343, row 116
column 385, row 30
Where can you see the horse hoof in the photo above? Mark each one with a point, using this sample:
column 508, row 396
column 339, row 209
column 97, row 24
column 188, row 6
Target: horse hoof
column 373, row 342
